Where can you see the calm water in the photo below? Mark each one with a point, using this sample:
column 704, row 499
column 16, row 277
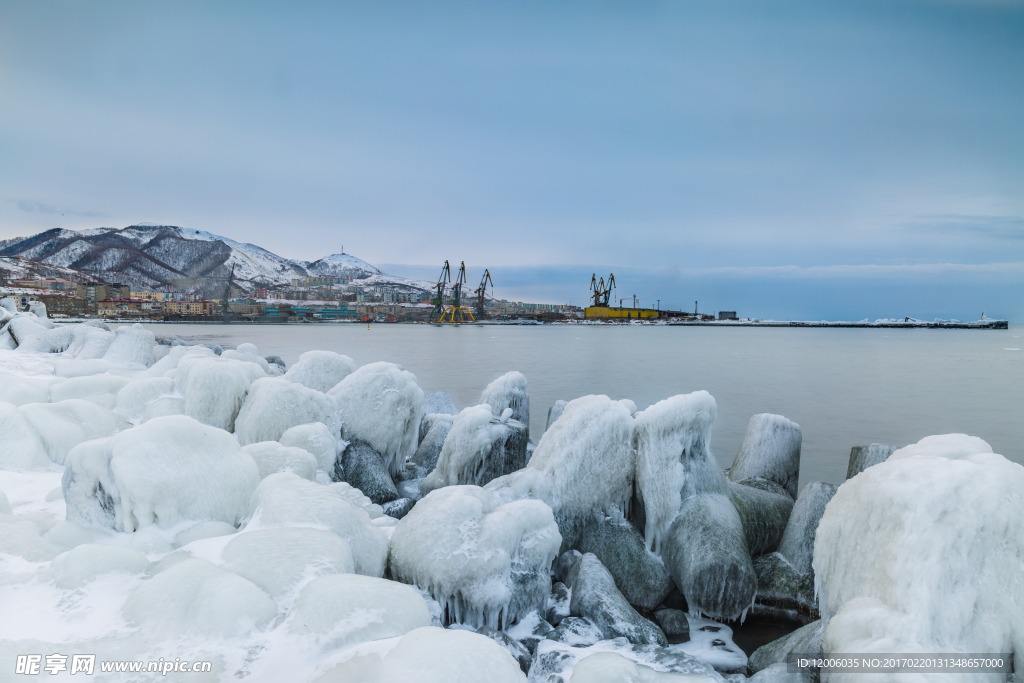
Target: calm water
column 844, row 387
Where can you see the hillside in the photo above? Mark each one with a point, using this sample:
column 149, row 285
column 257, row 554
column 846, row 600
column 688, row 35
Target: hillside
column 155, row 256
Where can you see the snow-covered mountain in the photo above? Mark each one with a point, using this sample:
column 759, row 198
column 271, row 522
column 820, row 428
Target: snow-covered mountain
column 156, row 255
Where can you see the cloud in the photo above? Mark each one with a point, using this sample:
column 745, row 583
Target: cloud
column 972, row 226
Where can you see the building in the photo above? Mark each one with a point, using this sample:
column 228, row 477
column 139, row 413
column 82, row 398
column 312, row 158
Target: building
column 617, row 312
column 282, row 311
column 94, row 292
column 64, row 306
column 246, row 307
column 192, row 308
column 117, row 307
column 147, row 294
column 727, row 315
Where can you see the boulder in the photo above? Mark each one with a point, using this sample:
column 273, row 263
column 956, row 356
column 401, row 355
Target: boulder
column 364, row 469
column 764, row 508
column 530, row 630
column 770, row 450
column 558, row 604
column 863, row 457
column 805, row 640
column 554, row 412
column 639, row 574
column 509, row 391
column 595, row 597
column 478, row 449
column 398, row 508
column 560, row 569
column 797, row 544
column 576, row 631
column 674, row 624
column 555, row 661
column 439, row 403
column 432, row 442
column 514, row 647
column 780, row 585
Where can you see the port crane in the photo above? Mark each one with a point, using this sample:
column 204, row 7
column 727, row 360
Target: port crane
column 602, row 291
column 225, row 308
column 438, row 300
column 481, row 292
column 455, row 311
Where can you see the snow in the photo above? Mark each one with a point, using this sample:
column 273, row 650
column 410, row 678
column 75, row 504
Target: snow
column 925, row 553
column 279, row 560
column 486, row 563
column 198, row 598
column 672, row 458
column 286, row 500
column 215, row 387
column 318, row 440
column 275, row 404
column 87, row 561
column 770, row 450
column 271, row 457
column 583, row 464
column 712, row 642
column 338, row 610
column 62, row 426
column 162, row 472
column 382, row 405
column 428, row 655
column 509, row 391
column 320, row 370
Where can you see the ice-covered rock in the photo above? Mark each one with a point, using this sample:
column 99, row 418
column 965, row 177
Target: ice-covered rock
column 797, row 544
column 21, row 390
column 203, row 530
column 272, row 361
column 365, row 469
column 576, row 631
column 86, row 562
column 639, row 574
column 712, row 642
column 67, row 535
column 198, row 598
column 316, row 438
column 271, row 457
column 764, row 508
column 925, row 553
column 339, row 610
column 611, row 667
column 781, row 585
column 277, row 560
column 274, row 405
column 174, row 356
column 673, row 624
column 215, row 388
column 22, row 535
column 558, row 603
column 440, row 403
column 398, row 508
column 484, row 562
column 518, row 651
column 429, row 655
column 595, row 597
column 244, row 354
column 133, row 399
column 83, row 387
column 478, row 448
column 806, row 640
column 89, row 343
column 564, row 562
column 863, row 457
column 287, row 500
column 556, row 662
column 321, row 370
column 555, row 412
column 20, row 445
column 163, row 407
column 164, row 471
column 62, row 426
column 432, row 441
column 132, row 345
column 382, row 405
column 770, row 450
column 583, row 464
column 509, row 391
column 5, row 505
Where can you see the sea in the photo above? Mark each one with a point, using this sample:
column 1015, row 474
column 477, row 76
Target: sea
column 844, row 387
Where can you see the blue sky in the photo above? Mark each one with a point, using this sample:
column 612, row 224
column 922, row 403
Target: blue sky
column 785, row 159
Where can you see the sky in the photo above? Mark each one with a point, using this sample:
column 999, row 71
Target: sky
column 834, row 160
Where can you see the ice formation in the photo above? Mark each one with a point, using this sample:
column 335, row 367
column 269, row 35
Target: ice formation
column 214, row 388
column 132, row 345
column 278, row 560
column 428, row 655
column 321, row 370
column 328, row 610
column 87, row 561
column 84, row 387
column 164, row 471
column 925, row 553
column 271, row 457
column 133, row 399
column 439, row 402
column 484, row 562
column 62, row 426
column 477, row 449
column 22, row 449
column 611, row 667
column 274, row 405
column 316, row 438
column 382, row 405
column 509, row 391
column 286, row 500
column 770, row 450
column 196, row 597
column 582, row 465
column 247, row 353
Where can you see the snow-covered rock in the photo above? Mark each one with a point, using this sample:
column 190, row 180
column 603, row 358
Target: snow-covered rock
column 440, row 403
column 863, row 457
column 595, row 597
column 247, row 353
column 555, row 412
column 271, row 457
column 364, row 468
column 87, row 561
column 83, row 387
column 278, row 560
column 196, row 597
column 429, row 655
column 484, row 562
column 321, row 370
column 62, row 426
column 432, row 441
column 20, row 445
column 316, row 438
column 275, row 404
column 21, row 390
column 509, row 391
column 925, row 553
column 583, row 464
column 215, row 388
column 132, row 345
column 133, row 399
column 164, row 471
column 770, row 450
column 479, row 448
column 797, row 544
column 382, row 405
column 287, row 500
column 339, row 610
